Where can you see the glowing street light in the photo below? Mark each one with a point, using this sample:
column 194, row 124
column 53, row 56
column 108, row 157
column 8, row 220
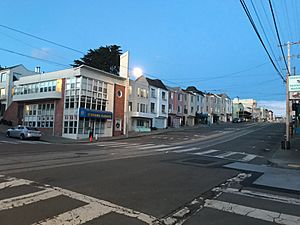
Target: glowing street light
column 137, row 72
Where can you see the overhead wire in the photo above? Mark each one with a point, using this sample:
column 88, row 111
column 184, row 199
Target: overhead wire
column 278, row 37
column 259, row 37
column 263, row 30
column 36, row 58
column 42, row 39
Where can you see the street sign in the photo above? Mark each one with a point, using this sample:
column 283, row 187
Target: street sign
column 294, row 83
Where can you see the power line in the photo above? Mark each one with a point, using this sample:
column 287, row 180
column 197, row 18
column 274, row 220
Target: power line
column 278, row 37
column 32, row 57
column 259, row 37
column 42, row 39
column 263, row 30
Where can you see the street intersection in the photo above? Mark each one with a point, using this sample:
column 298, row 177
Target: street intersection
column 210, row 178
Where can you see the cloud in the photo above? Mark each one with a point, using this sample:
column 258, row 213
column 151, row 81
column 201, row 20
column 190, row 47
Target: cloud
column 42, row 53
column 278, row 107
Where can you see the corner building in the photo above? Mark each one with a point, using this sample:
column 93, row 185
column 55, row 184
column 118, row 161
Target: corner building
column 71, row 102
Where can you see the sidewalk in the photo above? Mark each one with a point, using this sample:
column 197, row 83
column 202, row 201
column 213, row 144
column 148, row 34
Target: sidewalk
column 61, row 140
column 288, row 158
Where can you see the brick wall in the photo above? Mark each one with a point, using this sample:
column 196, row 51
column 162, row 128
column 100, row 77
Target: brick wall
column 119, row 102
column 59, row 112
column 14, row 113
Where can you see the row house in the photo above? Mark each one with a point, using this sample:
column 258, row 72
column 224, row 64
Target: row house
column 176, row 106
column 148, row 104
column 70, row 103
column 189, row 108
column 7, row 77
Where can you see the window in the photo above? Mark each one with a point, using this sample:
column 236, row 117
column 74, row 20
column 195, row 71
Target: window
column 153, row 95
column 179, row 109
column 192, row 109
column 130, row 106
column 198, row 98
column 192, row 98
column 3, row 77
column 152, row 106
column 39, row 115
column 163, row 108
column 143, row 108
column 163, row 95
column 179, row 97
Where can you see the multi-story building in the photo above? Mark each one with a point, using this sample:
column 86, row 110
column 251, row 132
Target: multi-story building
column 176, row 105
column 200, row 105
column 7, row 77
column 225, row 114
column 189, row 108
column 159, row 103
column 141, row 111
column 71, row 103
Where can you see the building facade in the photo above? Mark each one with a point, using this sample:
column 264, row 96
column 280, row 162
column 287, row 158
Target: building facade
column 7, row 77
column 71, row 103
column 140, row 114
column 176, row 105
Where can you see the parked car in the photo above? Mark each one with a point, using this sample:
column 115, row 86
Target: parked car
column 23, row 132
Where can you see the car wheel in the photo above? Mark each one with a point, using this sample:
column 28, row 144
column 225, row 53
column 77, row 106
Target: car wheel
column 8, row 134
column 22, row 136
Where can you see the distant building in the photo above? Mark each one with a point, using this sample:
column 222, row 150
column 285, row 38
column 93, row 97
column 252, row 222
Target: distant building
column 176, row 105
column 7, row 77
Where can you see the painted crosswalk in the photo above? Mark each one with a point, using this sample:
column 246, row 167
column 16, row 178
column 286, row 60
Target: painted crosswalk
column 176, row 148
column 91, row 209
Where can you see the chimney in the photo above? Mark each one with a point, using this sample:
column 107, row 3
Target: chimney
column 37, row 69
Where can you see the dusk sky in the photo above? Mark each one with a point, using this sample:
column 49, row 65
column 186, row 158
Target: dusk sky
column 208, row 44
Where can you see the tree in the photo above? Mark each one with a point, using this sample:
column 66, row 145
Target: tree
column 104, row 58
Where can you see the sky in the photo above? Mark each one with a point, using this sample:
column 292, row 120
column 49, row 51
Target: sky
column 207, row 44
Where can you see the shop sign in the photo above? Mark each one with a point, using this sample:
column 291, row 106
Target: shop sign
column 89, row 113
column 294, row 83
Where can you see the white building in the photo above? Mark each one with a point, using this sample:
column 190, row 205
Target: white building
column 140, row 112
column 7, row 77
column 159, row 103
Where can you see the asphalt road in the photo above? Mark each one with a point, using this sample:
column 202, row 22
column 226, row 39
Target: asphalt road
column 172, row 178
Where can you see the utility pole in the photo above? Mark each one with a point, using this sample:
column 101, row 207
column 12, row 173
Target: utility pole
column 288, row 108
column 287, row 122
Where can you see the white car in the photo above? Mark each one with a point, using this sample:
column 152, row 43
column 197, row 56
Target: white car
column 23, row 132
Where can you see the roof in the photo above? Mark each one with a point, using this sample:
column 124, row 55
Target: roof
column 174, row 88
column 9, row 68
column 156, row 83
column 195, row 90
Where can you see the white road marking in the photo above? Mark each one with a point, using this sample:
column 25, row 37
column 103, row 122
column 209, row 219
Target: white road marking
column 10, row 142
column 186, row 150
column 248, row 157
column 94, row 208
column 169, row 148
column 266, row 215
column 226, row 154
column 206, row 152
column 28, row 199
column 153, row 147
column 77, row 216
column 261, row 195
column 12, row 182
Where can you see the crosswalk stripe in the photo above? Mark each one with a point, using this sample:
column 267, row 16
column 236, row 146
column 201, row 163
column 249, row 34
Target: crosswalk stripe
column 14, row 183
column 266, row 215
column 78, row 216
column 169, row 148
column 186, row 150
column 261, row 195
column 205, row 152
column 28, row 199
column 248, row 157
column 10, row 142
column 226, row 154
column 152, row 147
